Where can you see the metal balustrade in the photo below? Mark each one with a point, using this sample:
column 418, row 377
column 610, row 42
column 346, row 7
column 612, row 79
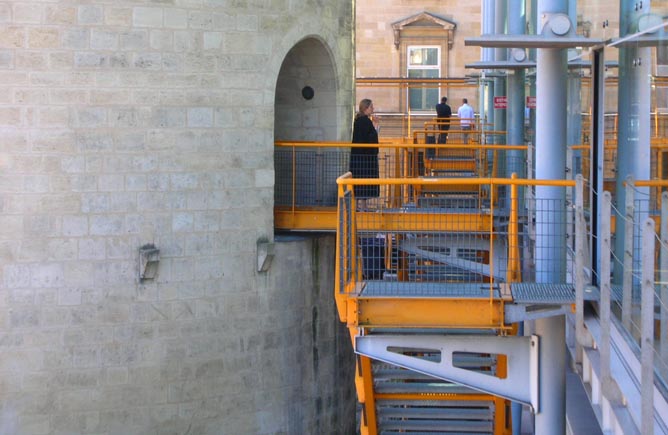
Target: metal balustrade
column 305, row 187
column 620, row 346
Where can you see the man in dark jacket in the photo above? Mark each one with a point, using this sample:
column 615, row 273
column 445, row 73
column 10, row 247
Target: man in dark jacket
column 443, row 114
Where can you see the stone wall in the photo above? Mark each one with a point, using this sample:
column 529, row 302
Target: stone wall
column 131, row 122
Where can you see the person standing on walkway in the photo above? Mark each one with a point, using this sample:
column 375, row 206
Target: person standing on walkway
column 364, row 160
column 466, row 118
column 443, row 114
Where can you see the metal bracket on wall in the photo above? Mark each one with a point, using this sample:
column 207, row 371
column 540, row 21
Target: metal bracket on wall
column 265, row 254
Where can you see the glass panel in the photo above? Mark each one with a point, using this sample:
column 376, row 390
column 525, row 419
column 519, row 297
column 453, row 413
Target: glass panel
column 635, row 131
column 423, row 62
column 421, row 97
column 423, row 56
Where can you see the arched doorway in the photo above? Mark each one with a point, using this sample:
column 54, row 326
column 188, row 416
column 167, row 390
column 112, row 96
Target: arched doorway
column 306, row 110
column 305, row 104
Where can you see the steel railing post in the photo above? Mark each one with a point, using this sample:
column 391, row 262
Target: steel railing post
column 647, row 335
column 626, row 222
column 579, row 268
column 663, row 344
column 604, row 307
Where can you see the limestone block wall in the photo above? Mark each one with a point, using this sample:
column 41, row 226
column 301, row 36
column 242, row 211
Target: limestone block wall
column 130, row 122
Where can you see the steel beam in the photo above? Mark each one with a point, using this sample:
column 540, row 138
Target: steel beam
column 520, row 383
column 426, row 312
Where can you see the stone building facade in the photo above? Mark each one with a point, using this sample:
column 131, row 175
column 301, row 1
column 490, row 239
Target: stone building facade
column 129, row 123
column 386, row 34
column 386, row 31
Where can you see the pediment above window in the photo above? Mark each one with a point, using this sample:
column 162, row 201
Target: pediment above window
column 422, row 20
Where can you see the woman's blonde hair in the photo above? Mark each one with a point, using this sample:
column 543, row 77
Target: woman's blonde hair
column 364, row 104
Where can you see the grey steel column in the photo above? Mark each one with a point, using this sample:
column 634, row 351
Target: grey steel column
column 488, row 26
column 533, row 20
column 515, row 136
column 551, row 418
column 515, row 95
column 633, row 147
column 575, row 117
column 574, row 122
column 551, row 74
column 500, row 54
column 550, row 164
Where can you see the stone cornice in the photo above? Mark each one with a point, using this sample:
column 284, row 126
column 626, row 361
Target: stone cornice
column 434, row 20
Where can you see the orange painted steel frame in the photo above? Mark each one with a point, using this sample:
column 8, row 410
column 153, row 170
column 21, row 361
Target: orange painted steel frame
column 360, row 313
column 325, row 218
column 473, row 313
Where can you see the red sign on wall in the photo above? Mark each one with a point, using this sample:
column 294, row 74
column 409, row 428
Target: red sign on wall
column 531, row 102
column 500, row 103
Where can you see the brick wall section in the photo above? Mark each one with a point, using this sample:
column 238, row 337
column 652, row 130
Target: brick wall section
column 143, row 121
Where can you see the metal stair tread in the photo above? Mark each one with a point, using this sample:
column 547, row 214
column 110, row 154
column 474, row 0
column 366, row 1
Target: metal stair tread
column 438, row 425
column 428, row 289
column 438, row 403
column 419, row 432
column 421, row 387
column 449, row 413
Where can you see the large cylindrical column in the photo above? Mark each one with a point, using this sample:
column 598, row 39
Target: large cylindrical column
column 551, row 418
column 515, row 95
column 574, row 121
column 500, row 54
column 551, row 75
column 488, row 28
column 633, row 147
column 550, row 164
column 515, row 136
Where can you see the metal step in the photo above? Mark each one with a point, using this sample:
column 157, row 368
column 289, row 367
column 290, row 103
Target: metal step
column 438, row 426
column 435, row 417
column 419, row 432
column 420, row 412
column 448, row 415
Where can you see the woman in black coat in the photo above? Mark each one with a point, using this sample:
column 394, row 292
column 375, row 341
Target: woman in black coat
column 364, row 160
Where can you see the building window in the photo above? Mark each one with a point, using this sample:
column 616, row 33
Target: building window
column 423, row 62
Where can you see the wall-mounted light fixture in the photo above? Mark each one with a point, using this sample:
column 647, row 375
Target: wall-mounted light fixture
column 149, row 257
column 265, row 253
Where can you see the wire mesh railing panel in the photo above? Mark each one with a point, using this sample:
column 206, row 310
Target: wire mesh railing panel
column 433, row 241
column 410, row 249
column 307, row 178
column 550, row 210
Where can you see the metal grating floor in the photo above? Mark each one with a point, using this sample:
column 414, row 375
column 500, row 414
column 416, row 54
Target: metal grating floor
column 522, row 293
column 537, row 293
column 428, row 289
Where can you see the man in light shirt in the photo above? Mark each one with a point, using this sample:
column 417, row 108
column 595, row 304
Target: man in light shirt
column 465, row 114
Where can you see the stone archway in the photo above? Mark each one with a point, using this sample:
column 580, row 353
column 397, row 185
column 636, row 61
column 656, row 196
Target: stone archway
column 297, row 117
column 306, row 110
